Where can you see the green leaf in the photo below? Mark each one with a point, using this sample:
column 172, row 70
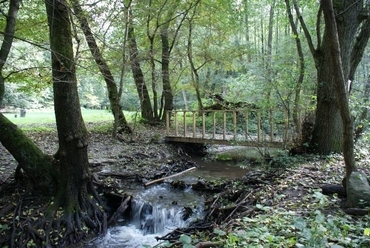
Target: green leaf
column 219, row 232
column 185, row 239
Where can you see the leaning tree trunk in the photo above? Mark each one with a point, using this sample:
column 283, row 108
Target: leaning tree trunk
column 113, row 95
column 302, row 71
column 37, row 167
column 193, row 70
column 146, row 107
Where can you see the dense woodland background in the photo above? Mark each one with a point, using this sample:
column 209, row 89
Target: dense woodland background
column 306, row 57
column 162, row 55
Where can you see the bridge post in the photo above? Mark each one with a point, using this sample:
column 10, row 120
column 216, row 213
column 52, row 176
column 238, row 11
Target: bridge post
column 184, row 120
column 167, row 123
column 194, row 126
column 176, row 124
column 203, row 125
column 234, row 122
column 246, row 125
column 214, row 124
column 259, row 126
column 224, row 133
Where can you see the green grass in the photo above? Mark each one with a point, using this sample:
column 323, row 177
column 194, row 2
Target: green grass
column 48, row 117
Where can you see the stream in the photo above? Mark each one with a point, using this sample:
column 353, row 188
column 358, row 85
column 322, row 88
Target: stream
column 157, row 210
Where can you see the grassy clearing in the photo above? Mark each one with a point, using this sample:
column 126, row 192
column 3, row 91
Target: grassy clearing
column 48, row 117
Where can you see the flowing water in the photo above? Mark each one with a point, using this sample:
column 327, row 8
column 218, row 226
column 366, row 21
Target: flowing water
column 156, row 211
column 160, row 209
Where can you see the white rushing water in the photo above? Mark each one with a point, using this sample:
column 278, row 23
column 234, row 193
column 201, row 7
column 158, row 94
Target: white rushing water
column 156, row 211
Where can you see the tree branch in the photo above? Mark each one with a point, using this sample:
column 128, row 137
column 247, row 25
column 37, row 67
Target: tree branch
column 305, row 29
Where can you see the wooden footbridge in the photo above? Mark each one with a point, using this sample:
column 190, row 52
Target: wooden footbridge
column 247, row 127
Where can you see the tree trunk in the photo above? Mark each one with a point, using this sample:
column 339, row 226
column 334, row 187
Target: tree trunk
column 167, row 89
column 113, row 95
column 193, row 70
column 7, row 42
column 340, row 84
column 146, row 106
column 151, row 33
column 37, row 167
column 73, row 175
column 327, row 134
column 302, row 69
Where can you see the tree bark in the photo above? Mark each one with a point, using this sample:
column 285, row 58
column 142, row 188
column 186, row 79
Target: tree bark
column 151, row 33
column 327, row 134
column 73, row 175
column 167, row 88
column 302, row 69
column 193, row 70
column 340, row 85
column 37, row 167
column 113, row 95
column 146, row 106
column 7, row 42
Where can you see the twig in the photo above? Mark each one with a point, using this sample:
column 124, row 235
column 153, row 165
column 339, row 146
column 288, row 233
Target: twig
column 237, row 206
column 164, row 178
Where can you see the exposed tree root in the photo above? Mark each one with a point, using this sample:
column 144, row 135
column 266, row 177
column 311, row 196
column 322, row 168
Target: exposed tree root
column 58, row 224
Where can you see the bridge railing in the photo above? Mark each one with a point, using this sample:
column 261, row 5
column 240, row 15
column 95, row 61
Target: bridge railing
column 245, row 126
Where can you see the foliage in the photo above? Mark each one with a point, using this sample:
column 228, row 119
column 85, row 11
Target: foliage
column 281, row 228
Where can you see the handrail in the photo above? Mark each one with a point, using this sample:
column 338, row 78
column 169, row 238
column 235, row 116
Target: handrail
column 256, row 125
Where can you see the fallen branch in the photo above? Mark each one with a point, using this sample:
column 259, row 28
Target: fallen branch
column 237, row 206
column 207, row 244
column 164, row 178
column 119, row 212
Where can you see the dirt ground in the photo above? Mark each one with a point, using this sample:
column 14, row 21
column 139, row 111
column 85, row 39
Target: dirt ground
column 144, row 156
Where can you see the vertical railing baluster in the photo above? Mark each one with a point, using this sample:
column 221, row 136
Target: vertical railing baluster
column 214, row 124
column 176, row 124
column 246, row 125
column 234, row 122
column 259, row 126
column 185, row 132
column 203, row 125
column 224, row 133
column 194, row 125
column 167, row 123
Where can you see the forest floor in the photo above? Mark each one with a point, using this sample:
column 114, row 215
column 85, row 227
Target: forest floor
column 280, row 205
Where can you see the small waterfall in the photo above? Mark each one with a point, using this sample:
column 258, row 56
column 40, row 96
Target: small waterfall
column 155, row 211
column 155, row 219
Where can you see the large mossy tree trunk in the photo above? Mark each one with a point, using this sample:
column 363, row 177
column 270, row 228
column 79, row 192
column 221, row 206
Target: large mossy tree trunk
column 328, row 130
column 76, row 195
column 340, row 87
column 37, row 166
column 353, row 36
column 327, row 133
